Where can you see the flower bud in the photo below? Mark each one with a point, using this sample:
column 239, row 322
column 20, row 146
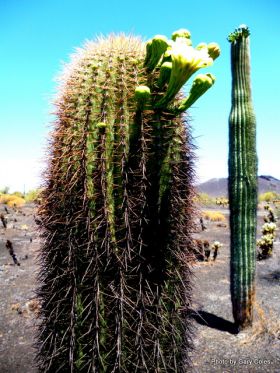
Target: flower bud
column 213, row 50
column 182, row 33
column 165, row 72
column 201, row 84
column 155, row 48
column 142, row 95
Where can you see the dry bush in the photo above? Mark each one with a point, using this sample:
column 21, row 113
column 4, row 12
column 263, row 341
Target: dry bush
column 213, row 216
column 265, row 324
column 268, row 196
column 12, row 200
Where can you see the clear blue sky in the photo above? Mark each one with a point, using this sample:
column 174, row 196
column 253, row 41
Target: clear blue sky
column 37, row 36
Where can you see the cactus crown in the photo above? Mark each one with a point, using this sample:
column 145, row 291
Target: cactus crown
column 183, row 61
column 238, row 33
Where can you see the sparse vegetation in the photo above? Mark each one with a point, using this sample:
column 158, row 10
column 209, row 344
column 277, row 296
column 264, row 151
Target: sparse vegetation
column 268, row 197
column 222, row 201
column 202, row 249
column 265, row 243
column 18, row 194
column 12, row 200
column 216, row 247
column 267, row 324
column 32, row 195
column 214, row 216
column 205, row 200
column 18, row 198
column 3, row 220
column 270, row 215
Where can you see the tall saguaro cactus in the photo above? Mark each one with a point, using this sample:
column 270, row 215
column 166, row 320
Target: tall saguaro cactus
column 242, row 181
column 117, row 209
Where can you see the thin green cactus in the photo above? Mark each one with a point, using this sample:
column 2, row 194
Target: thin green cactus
column 242, row 181
column 117, row 210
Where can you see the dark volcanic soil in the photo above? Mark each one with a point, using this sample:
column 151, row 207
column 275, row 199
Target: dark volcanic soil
column 217, row 346
column 17, row 284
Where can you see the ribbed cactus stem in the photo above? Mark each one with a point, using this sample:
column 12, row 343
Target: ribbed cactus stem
column 242, row 182
column 116, row 215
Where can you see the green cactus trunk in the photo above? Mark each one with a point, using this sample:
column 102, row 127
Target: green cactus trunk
column 116, row 217
column 242, row 182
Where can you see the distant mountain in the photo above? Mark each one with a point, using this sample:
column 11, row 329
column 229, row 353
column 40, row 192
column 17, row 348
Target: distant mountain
column 218, row 187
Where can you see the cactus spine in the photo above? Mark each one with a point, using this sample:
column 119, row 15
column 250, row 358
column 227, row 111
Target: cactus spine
column 117, row 214
column 242, row 181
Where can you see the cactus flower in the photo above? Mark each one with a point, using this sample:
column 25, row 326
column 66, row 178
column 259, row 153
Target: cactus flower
column 242, row 30
column 216, row 245
column 185, row 62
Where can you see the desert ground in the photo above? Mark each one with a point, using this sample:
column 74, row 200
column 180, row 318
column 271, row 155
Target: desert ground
column 217, row 345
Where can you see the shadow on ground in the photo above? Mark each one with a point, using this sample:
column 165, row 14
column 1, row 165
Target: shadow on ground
column 213, row 321
column 272, row 277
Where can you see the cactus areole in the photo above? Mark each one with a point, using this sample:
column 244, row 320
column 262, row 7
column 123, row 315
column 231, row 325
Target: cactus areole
column 242, row 181
column 117, row 208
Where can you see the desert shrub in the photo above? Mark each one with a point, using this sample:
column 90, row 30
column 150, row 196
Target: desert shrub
column 11, row 200
column 213, row 216
column 18, row 194
column 4, row 198
column 32, row 195
column 269, row 228
column 222, row 201
column 15, row 201
column 215, row 248
column 265, row 243
column 268, row 196
column 201, row 249
column 265, row 324
column 270, row 217
column 204, row 199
